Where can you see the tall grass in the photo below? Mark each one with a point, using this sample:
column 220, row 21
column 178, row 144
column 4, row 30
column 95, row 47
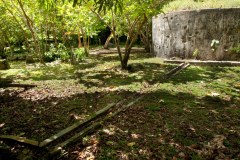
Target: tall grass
column 178, row 5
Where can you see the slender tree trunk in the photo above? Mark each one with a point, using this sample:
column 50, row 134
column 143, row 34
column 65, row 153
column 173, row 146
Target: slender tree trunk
column 9, row 43
column 55, row 38
column 33, row 33
column 108, row 41
column 131, row 39
column 85, row 41
column 79, row 40
column 21, row 27
column 145, row 36
column 88, row 43
column 116, row 40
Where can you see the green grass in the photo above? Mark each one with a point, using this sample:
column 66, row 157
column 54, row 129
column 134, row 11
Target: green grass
column 187, row 109
column 178, row 5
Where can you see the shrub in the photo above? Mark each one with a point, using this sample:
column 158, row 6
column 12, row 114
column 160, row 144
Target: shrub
column 61, row 52
column 56, row 52
column 51, row 54
column 64, row 56
column 79, row 54
column 4, row 64
column 235, row 50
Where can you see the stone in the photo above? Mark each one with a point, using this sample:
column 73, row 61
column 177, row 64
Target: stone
column 4, row 64
column 207, row 34
column 181, row 155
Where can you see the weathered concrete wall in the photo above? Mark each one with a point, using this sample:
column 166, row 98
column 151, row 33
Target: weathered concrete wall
column 179, row 34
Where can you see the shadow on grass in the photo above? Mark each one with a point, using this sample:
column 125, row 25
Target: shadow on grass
column 148, row 72
column 115, row 57
column 42, row 118
column 88, row 72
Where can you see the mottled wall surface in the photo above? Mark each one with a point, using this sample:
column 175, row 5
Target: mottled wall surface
column 179, row 34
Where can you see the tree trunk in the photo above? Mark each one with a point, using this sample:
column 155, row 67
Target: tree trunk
column 21, row 27
column 125, row 59
column 145, row 36
column 132, row 37
column 79, row 40
column 33, row 33
column 108, row 40
column 85, row 42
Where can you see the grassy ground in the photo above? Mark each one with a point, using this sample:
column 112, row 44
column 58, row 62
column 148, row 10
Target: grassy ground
column 194, row 115
column 199, row 4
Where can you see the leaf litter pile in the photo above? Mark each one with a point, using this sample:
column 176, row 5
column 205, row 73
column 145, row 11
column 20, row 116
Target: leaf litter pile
column 193, row 115
column 37, row 115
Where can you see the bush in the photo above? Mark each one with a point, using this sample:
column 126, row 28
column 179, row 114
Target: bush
column 61, row 52
column 4, row 64
column 64, row 56
column 55, row 53
column 79, row 54
column 235, row 50
column 51, row 54
column 3, row 55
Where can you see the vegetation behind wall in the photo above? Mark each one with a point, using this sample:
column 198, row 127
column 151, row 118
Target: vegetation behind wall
column 178, row 5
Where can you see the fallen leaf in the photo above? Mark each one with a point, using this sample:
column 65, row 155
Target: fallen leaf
column 214, row 94
column 1, row 125
column 131, row 144
column 135, row 136
column 181, row 155
column 214, row 111
column 187, row 110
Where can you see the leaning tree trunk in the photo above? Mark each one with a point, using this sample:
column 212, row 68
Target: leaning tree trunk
column 116, row 41
column 21, row 27
column 145, row 36
column 33, row 33
column 108, row 41
column 132, row 37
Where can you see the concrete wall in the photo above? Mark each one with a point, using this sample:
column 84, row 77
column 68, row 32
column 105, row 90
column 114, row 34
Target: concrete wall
column 179, row 34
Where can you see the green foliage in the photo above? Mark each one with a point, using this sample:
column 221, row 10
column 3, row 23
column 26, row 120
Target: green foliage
column 50, row 55
column 195, row 53
column 62, row 53
column 55, row 53
column 80, row 54
column 153, row 108
column 235, row 50
column 199, row 4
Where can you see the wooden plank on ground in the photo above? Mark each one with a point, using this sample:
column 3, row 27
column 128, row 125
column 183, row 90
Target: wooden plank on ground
column 78, row 124
column 74, row 126
column 20, row 139
column 90, row 128
column 176, row 70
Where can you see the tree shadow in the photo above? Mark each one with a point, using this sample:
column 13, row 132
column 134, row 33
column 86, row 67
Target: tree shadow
column 39, row 119
column 114, row 56
column 148, row 72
